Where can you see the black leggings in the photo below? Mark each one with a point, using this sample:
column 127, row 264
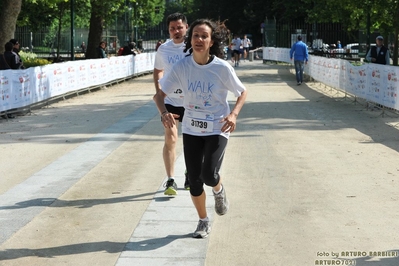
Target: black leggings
column 203, row 156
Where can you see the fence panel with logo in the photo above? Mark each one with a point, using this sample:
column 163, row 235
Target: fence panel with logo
column 372, row 82
column 21, row 88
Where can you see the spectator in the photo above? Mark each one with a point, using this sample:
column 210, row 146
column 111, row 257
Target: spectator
column 120, row 51
column 10, row 60
column 11, row 57
column 158, row 44
column 83, row 47
column 15, row 50
column 339, row 45
column 379, row 54
column 134, row 48
column 3, row 63
column 128, row 49
column 300, row 53
column 101, row 50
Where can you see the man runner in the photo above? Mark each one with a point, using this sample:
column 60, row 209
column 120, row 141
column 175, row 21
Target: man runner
column 167, row 55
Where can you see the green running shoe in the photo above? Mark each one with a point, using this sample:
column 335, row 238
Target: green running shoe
column 170, row 188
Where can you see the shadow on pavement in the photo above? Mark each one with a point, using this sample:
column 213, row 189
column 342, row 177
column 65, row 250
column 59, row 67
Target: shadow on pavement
column 103, row 246
column 83, row 203
column 313, row 110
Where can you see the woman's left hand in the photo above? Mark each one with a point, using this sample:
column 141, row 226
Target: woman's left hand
column 229, row 123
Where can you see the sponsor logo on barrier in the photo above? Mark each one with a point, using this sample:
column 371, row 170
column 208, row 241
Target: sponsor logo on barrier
column 4, row 80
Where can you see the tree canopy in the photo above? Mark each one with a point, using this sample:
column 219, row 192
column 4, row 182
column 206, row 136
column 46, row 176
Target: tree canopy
column 240, row 16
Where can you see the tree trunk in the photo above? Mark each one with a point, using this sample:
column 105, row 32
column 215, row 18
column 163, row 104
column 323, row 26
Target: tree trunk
column 96, row 30
column 396, row 30
column 8, row 20
column 395, row 50
column 61, row 13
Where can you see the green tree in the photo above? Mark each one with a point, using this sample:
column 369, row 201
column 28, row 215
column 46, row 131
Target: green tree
column 186, row 7
column 55, row 16
column 384, row 16
column 146, row 12
column 56, row 13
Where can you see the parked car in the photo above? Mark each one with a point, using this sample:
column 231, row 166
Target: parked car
column 351, row 50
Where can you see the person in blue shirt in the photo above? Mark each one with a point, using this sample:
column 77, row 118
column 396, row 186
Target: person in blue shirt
column 299, row 51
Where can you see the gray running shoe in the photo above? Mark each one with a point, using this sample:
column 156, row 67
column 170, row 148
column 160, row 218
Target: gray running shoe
column 203, row 229
column 221, row 202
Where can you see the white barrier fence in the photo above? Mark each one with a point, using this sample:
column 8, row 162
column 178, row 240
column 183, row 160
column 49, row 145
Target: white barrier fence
column 21, row 88
column 372, row 82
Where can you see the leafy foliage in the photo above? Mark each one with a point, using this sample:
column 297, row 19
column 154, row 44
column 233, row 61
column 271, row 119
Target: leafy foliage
column 31, row 60
column 240, row 16
column 36, row 62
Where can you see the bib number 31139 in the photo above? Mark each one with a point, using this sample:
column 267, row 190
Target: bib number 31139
column 199, row 122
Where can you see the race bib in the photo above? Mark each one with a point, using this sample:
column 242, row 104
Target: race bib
column 199, row 122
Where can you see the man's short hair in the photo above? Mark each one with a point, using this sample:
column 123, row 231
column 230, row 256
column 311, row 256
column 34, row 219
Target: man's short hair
column 9, row 46
column 299, row 38
column 175, row 17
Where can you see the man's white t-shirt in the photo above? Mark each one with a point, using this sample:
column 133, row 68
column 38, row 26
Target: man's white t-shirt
column 246, row 42
column 204, row 89
column 167, row 55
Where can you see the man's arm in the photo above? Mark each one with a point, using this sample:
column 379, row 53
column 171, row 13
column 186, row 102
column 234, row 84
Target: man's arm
column 157, row 75
column 292, row 51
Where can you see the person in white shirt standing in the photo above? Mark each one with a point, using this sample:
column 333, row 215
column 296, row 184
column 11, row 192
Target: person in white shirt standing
column 205, row 80
column 167, row 55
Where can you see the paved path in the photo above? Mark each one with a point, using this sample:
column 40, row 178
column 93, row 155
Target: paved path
column 312, row 179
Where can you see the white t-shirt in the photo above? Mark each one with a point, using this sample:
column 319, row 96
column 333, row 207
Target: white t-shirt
column 205, row 89
column 167, row 55
column 246, row 42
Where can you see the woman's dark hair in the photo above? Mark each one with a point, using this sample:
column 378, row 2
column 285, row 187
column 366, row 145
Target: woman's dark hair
column 220, row 34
